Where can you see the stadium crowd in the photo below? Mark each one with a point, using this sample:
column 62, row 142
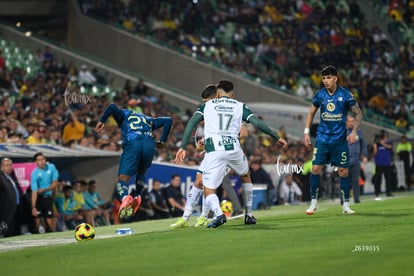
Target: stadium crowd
column 283, row 43
column 42, row 109
column 270, row 40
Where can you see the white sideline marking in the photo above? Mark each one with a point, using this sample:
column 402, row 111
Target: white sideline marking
column 7, row 244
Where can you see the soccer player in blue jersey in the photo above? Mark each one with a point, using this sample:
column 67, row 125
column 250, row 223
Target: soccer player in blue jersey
column 138, row 148
column 331, row 145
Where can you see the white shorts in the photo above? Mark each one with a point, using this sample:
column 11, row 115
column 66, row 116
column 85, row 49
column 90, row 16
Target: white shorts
column 216, row 163
column 201, row 169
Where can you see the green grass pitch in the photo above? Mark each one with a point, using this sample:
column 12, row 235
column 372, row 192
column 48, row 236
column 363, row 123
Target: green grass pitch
column 377, row 240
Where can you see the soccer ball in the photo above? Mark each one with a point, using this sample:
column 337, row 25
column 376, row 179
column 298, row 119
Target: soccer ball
column 84, row 232
column 226, row 207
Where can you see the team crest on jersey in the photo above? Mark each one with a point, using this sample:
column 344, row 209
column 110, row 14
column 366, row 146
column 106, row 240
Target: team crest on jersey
column 330, row 107
column 340, row 99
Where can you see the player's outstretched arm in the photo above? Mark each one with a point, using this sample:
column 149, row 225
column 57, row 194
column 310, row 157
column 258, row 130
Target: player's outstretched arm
column 264, row 128
column 113, row 110
column 192, row 123
column 165, row 123
column 99, row 127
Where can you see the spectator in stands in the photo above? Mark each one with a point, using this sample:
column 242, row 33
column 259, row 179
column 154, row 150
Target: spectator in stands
column 44, row 180
column 395, row 27
column 175, row 197
column 86, row 211
column 85, row 142
column 39, row 56
column 289, row 191
column 402, row 107
column 128, row 89
column 407, row 83
column 90, row 206
column 258, row 175
column 402, row 122
column 102, row 210
column 378, row 102
column 15, row 138
column 36, row 136
column 162, row 156
column 53, row 137
column 65, row 206
column 141, row 89
column 304, row 90
column 85, row 76
column 4, row 131
column 145, row 210
column 389, row 112
column 73, row 129
column 133, row 104
column 158, row 201
column 47, row 54
column 100, row 78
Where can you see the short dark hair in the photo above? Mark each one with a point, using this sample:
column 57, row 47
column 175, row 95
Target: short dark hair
column 329, row 70
column 37, row 154
column 225, row 85
column 208, row 91
column 67, row 188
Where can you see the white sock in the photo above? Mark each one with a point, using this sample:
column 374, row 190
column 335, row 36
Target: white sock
column 248, row 198
column 314, row 201
column 212, row 201
column 205, row 210
column 191, row 202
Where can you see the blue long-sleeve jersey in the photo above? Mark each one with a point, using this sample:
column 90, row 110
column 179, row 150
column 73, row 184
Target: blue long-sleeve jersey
column 136, row 125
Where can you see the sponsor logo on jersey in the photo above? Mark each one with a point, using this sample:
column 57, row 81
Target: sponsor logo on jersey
column 331, row 117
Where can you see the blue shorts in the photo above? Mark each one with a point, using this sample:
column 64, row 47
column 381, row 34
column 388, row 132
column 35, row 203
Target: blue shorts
column 334, row 154
column 136, row 157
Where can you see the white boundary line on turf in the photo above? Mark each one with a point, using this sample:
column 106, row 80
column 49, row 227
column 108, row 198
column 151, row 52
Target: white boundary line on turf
column 12, row 244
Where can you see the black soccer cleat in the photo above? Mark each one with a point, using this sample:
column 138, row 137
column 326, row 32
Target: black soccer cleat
column 249, row 220
column 220, row 220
